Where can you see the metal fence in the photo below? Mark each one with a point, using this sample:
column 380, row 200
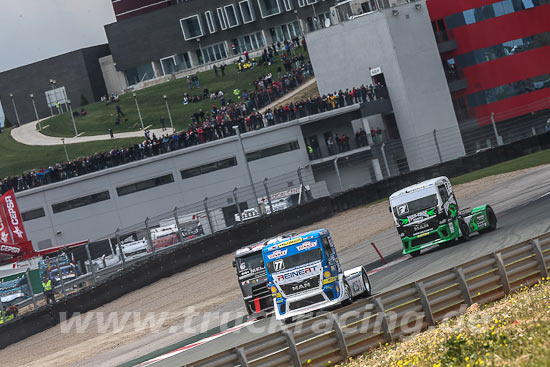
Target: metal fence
column 389, row 316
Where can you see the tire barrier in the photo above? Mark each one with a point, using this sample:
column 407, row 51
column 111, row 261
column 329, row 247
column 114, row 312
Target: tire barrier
column 389, row 316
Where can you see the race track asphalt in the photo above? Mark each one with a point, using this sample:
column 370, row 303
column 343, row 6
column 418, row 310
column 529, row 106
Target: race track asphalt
column 522, row 205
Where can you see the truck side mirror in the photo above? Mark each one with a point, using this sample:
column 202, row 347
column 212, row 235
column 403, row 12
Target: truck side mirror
column 262, row 263
column 234, row 264
column 389, row 208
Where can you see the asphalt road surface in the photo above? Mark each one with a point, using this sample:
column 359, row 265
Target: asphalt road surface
column 522, row 205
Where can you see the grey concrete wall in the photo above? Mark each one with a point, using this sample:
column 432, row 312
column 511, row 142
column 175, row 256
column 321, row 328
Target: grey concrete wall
column 96, row 220
column 115, row 82
column 404, row 47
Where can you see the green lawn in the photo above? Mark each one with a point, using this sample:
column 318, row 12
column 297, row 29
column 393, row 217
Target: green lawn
column 151, row 103
column 18, row 158
column 531, row 160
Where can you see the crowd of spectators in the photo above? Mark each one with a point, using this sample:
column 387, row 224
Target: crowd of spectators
column 241, row 108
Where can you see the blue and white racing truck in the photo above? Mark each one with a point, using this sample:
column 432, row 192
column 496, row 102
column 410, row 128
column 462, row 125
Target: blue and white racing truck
column 305, row 275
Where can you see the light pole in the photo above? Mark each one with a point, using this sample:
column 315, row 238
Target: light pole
column 236, row 128
column 169, row 114
column 65, row 149
column 36, row 112
column 15, row 109
column 51, row 96
column 314, row 16
column 72, row 117
column 139, row 112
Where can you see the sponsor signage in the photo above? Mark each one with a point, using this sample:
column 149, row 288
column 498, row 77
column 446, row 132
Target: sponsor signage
column 10, row 249
column 290, row 242
column 298, row 273
column 4, row 231
column 307, row 245
column 276, row 254
column 11, row 212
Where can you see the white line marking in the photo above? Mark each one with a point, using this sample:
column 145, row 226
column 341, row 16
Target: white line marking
column 548, row 193
column 196, row 344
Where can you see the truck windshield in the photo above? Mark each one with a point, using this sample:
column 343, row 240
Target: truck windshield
column 249, row 264
column 415, row 206
column 293, row 261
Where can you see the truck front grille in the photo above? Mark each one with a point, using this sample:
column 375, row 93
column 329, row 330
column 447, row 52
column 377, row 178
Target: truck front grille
column 301, row 286
column 305, row 302
column 429, row 238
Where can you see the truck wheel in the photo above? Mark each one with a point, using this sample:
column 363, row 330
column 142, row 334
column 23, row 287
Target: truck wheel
column 347, row 291
column 464, row 232
column 366, row 283
column 415, row 253
column 492, row 219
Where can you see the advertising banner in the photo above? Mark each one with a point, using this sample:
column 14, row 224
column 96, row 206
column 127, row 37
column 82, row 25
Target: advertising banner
column 13, row 217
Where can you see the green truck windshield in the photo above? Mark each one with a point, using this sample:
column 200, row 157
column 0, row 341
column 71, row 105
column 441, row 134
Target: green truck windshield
column 415, row 206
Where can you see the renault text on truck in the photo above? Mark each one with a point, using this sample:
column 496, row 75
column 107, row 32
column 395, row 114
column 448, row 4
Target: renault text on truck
column 305, row 275
column 427, row 214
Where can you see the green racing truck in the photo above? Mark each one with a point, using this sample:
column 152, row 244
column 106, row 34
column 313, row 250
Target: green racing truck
column 427, row 214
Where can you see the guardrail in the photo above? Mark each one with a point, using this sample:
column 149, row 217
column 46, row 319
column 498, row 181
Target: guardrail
column 386, row 317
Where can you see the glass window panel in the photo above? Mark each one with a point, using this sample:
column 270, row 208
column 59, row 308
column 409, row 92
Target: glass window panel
column 80, row 202
column 209, row 167
column 269, row 7
column 246, row 11
column 232, row 20
column 268, row 152
column 191, row 27
column 33, row 214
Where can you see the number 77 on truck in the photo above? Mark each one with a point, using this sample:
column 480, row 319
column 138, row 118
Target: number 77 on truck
column 305, row 275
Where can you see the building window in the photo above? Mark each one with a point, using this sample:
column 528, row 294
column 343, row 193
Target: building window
column 212, row 53
column 311, row 2
column 508, row 90
column 250, row 42
column 502, row 50
column 485, row 12
column 222, row 18
column 139, row 74
column 209, row 167
column 268, row 152
column 33, row 214
column 246, row 11
column 231, row 16
column 168, row 65
column 80, row 202
column 286, row 32
column 210, row 21
column 302, row 3
column 269, row 8
column 288, row 5
column 145, row 185
column 191, row 27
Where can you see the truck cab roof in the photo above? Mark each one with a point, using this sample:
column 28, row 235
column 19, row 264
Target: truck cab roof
column 419, row 186
column 249, row 249
column 276, row 241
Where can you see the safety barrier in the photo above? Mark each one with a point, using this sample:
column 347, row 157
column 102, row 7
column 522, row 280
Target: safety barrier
column 389, row 316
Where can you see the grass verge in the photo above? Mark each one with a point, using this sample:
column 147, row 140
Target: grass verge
column 101, row 117
column 528, row 161
column 18, row 158
column 511, row 332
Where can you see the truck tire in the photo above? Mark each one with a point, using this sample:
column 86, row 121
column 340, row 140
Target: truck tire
column 366, row 283
column 347, row 290
column 415, row 253
column 491, row 219
column 464, row 232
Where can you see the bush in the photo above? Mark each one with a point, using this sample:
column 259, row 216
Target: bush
column 83, row 101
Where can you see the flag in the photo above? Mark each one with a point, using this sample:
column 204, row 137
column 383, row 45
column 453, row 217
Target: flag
column 13, row 217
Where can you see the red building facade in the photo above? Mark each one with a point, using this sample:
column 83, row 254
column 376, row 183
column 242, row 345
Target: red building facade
column 502, row 50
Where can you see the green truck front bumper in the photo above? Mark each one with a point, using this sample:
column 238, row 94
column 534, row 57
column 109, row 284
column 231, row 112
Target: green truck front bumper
column 441, row 234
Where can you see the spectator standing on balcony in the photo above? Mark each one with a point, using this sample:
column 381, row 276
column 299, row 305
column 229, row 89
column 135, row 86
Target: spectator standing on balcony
column 330, row 145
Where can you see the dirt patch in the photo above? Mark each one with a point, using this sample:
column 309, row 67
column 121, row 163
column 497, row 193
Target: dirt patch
column 199, row 286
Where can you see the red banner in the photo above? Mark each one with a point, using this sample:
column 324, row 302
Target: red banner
column 13, row 218
column 4, row 231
